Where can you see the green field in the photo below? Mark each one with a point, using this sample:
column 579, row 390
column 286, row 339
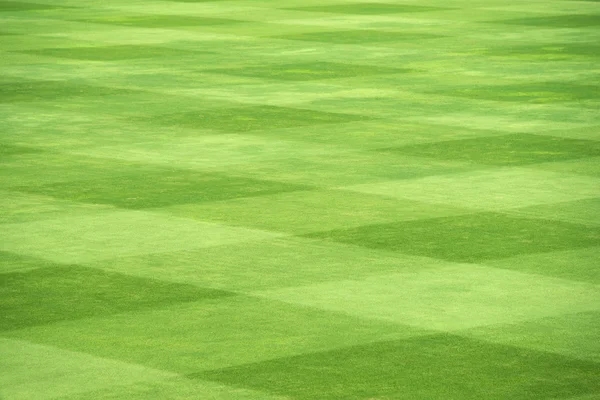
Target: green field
column 300, row 199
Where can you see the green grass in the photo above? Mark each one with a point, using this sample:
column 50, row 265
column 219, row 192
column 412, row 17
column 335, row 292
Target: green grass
column 309, row 71
column 297, row 200
column 252, row 118
column 158, row 21
column 46, row 295
column 356, row 36
column 369, row 8
column 371, row 370
column 471, row 238
column 111, row 53
column 513, row 149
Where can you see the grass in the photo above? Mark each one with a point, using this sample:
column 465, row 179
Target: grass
column 226, row 199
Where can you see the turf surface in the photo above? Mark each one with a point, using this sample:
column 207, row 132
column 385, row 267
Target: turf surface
column 251, row 199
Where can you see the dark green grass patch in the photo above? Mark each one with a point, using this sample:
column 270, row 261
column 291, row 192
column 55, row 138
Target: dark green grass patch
column 432, row 367
column 557, row 21
column 369, row 8
column 244, row 119
column 513, row 149
column 160, row 21
column 7, row 150
column 469, row 238
column 146, row 189
column 357, row 36
column 52, row 90
column 112, row 53
column 539, row 93
column 24, row 6
column 309, row 71
column 209, row 334
column 59, row 293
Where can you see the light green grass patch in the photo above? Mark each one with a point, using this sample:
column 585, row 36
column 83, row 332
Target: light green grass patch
column 585, row 212
column 492, row 189
column 112, row 53
column 447, row 298
column 174, row 388
column 159, row 21
column 308, row 211
column 513, row 149
column 18, row 207
column 557, row 21
column 33, row 371
column 264, row 265
column 310, row 71
column 573, row 335
column 539, row 93
column 369, row 8
column 587, row 166
column 576, row 264
column 11, row 262
column 108, row 234
column 357, row 36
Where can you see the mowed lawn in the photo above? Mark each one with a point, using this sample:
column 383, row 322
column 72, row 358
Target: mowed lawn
column 299, row 199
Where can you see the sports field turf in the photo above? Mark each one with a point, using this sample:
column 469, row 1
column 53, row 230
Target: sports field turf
column 300, row 199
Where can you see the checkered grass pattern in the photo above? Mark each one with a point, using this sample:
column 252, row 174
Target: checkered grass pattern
column 333, row 199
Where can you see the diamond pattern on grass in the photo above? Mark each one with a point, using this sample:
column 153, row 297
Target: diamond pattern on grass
column 263, row 265
column 160, row 21
column 48, row 295
column 112, row 53
column 245, row 119
column 309, row 71
column 147, row 189
column 551, row 51
column 308, row 211
column 7, row 150
column 538, row 93
column 495, row 189
column 572, row 335
column 556, row 21
column 576, row 265
column 52, row 373
column 357, row 36
column 11, row 262
column 448, row 297
column 585, row 212
column 52, row 90
column 589, row 166
column 469, row 238
column 369, row 8
column 231, row 330
column 514, row 149
column 8, row 6
column 432, row 367
column 78, row 238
